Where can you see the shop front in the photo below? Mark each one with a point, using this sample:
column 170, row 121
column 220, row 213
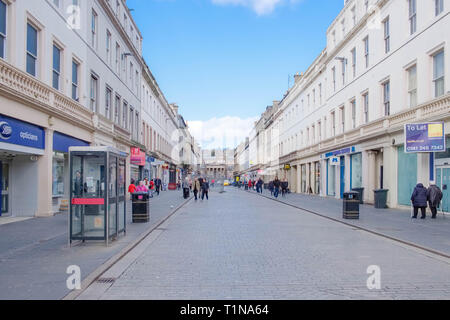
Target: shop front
column 147, row 173
column 442, row 175
column 172, row 185
column 21, row 144
column 137, row 163
column 60, row 166
column 338, row 176
column 317, row 177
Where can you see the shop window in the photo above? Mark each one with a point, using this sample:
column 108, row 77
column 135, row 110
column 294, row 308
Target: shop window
column 3, row 12
column 58, row 174
column 356, row 170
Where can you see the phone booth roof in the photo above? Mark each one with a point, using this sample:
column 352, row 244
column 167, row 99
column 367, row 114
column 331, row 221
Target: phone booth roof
column 99, row 149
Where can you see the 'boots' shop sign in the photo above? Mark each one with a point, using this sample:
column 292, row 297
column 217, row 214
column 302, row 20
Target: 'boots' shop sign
column 424, row 137
column 21, row 133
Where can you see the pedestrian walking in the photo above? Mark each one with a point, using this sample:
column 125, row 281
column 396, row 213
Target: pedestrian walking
column 132, row 187
column 196, row 187
column 271, row 188
column 284, row 187
column 419, row 200
column 205, row 189
column 141, row 187
column 260, row 184
column 434, row 197
column 158, row 185
column 276, row 185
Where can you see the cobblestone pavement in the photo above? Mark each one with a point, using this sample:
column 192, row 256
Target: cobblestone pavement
column 396, row 223
column 34, row 254
column 239, row 246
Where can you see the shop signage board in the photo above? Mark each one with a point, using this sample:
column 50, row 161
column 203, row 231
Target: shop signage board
column 339, row 152
column 137, row 157
column 21, row 133
column 425, row 137
column 335, row 161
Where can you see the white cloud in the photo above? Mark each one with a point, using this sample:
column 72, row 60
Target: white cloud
column 218, row 133
column 261, row 7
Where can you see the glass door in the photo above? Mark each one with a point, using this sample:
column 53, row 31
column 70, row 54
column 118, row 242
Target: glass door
column 112, row 196
column 4, row 187
column 121, row 188
column 88, row 193
column 443, row 182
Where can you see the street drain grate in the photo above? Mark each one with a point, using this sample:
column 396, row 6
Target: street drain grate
column 106, row 280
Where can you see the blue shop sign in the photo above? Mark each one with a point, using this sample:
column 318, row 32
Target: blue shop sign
column 340, row 152
column 425, row 137
column 62, row 142
column 21, row 133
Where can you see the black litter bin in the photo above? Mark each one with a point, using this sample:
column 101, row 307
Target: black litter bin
column 381, row 198
column 351, row 205
column 186, row 192
column 361, row 194
column 141, row 207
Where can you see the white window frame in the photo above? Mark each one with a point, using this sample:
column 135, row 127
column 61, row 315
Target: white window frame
column 366, row 50
column 412, row 16
column 412, row 91
column 365, row 99
column 353, row 52
column 77, row 84
column 93, row 94
column 436, row 78
column 386, row 85
column 108, row 102
column 94, row 27
column 439, row 7
column 353, row 111
column 4, row 36
column 387, row 35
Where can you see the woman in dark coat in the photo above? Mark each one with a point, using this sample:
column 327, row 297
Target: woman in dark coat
column 419, row 200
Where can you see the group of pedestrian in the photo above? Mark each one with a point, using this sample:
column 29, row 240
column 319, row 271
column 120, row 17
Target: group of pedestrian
column 276, row 186
column 146, row 185
column 422, row 197
column 200, row 185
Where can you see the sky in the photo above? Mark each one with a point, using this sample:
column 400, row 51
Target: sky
column 224, row 61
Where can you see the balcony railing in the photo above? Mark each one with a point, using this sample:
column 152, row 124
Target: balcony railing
column 23, row 86
column 436, row 109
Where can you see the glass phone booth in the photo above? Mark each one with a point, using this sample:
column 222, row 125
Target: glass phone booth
column 97, row 193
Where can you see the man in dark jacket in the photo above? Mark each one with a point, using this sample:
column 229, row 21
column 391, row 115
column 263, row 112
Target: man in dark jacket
column 276, row 185
column 419, row 200
column 284, row 187
column 434, row 197
column 271, row 187
column 205, row 189
column 158, row 184
column 260, row 185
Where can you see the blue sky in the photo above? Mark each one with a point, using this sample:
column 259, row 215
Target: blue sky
column 229, row 59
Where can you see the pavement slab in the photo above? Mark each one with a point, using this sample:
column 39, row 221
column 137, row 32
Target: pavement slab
column 240, row 246
column 34, row 254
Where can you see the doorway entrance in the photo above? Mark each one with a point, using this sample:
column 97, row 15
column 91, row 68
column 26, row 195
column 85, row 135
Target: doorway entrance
column 443, row 182
column 4, row 188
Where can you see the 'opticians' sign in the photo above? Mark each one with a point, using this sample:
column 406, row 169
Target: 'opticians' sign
column 424, row 137
column 21, row 133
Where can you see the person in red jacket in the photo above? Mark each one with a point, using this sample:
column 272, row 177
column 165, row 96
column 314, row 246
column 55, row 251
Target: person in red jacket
column 132, row 187
column 250, row 184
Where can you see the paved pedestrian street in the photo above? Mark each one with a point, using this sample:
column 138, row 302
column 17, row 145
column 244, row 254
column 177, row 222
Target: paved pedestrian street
column 239, row 245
